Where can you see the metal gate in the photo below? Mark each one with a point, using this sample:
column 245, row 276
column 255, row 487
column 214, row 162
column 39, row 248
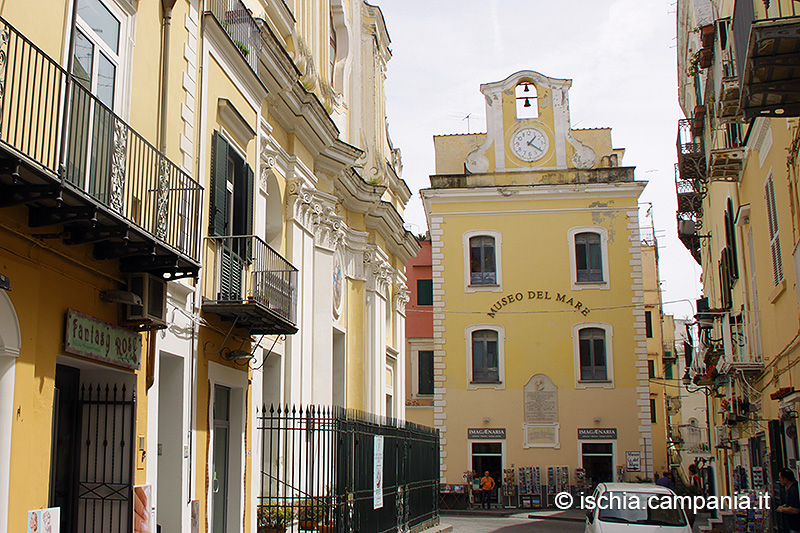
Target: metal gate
column 105, row 476
column 318, row 471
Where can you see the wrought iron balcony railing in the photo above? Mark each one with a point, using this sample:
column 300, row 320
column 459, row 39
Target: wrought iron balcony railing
column 730, row 341
column 75, row 162
column 238, row 23
column 249, row 283
column 694, row 438
column 767, row 39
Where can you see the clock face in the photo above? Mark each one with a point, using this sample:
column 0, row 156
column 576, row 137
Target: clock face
column 529, row 144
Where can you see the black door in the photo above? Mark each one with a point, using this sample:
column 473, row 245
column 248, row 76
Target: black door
column 64, row 460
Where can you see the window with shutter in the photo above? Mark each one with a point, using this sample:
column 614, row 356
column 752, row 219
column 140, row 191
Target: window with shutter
column 483, row 268
column 485, row 367
column 425, row 370
column 588, row 257
column 774, row 235
column 593, row 354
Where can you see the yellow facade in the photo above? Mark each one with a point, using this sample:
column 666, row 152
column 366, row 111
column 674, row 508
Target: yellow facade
column 228, row 157
column 737, row 197
column 533, row 402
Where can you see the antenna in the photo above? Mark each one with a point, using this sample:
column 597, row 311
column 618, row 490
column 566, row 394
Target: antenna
column 467, row 119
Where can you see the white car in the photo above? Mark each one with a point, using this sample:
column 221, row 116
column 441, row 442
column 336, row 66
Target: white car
column 634, row 508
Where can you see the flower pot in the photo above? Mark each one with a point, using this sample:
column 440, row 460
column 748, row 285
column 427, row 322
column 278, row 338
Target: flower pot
column 326, row 528
column 307, row 525
column 269, row 529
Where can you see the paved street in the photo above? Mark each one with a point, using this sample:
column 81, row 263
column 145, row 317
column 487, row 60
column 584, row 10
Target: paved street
column 519, row 524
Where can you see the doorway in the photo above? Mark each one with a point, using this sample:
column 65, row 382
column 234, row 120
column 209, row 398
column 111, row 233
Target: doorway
column 222, row 401
column 92, row 462
column 598, row 461
column 169, row 490
column 488, row 456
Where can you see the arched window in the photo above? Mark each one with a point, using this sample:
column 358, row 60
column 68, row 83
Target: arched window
column 527, row 100
column 485, row 356
column 588, row 257
column 592, row 346
column 482, row 261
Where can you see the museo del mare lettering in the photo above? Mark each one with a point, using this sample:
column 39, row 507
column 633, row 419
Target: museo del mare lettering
column 537, row 295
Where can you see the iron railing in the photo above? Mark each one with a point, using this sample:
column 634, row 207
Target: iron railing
column 238, row 23
column 730, row 340
column 318, row 470
column 244, row 268
column 105, row 477
column 748, row 12
column 50, row 118
column 694, row 438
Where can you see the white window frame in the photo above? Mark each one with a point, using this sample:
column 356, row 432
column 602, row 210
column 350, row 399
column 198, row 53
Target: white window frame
column 576, row 347
column 498, row 248
column 603, row 233
column 126, row 13
column 501, row 360
column 416, row 346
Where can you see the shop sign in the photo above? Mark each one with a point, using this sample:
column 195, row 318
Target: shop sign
column 597, row 433
column 94, row 338
column 486, row 433
column 633, row 461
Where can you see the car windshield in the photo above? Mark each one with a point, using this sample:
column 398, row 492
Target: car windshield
column 632, row 508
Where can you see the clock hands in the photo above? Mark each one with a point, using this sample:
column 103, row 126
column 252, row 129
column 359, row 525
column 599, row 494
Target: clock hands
column 530, row 143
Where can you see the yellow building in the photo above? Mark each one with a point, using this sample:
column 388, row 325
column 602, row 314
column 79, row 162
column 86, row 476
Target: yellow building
column 738, row 215
column 206, row 194
column 540, row 352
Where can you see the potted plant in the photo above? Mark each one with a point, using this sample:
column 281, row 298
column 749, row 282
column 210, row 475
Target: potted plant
column 274, row 518
column 311, row 513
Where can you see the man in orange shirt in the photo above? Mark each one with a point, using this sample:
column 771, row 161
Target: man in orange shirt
column 487, row 486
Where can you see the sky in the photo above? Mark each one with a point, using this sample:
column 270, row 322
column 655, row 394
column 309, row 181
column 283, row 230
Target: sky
column 620, row 54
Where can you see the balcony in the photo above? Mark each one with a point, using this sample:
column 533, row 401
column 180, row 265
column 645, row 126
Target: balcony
column 728, row 341
column 694, row 438
column 238, row 23
column 85, row 173
column 767, row 38
column 248, row 283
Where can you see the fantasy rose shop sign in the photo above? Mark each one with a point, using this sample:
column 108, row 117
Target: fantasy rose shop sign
column 538, row 295
column 91, row 337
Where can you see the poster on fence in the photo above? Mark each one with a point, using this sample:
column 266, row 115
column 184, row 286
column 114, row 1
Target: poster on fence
column 44, row 520
column 141, row 509
column 377, row 497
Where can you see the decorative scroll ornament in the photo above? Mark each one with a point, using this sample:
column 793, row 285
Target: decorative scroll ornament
column 379, row 272
column 162, row 206
column 268, row 163
column 116, row 199
column 401, row 296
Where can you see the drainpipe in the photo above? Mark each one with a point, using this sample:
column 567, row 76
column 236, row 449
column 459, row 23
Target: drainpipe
column 166, row 24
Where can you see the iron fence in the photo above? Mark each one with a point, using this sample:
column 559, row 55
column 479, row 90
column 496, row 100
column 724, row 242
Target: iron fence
column 319, row 471
column 50, row 118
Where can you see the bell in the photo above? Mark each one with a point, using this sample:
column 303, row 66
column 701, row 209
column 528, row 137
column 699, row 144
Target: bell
column 527, row 103
column 526, row 88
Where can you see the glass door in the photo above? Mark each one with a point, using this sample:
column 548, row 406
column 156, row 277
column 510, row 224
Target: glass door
column 219, row 481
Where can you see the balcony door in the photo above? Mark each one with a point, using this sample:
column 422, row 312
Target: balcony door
column 96, row 66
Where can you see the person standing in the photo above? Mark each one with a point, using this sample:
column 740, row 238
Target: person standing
column 487, row 486
column 791, row 509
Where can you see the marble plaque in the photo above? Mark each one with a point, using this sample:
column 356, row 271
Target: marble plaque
column 541, row 400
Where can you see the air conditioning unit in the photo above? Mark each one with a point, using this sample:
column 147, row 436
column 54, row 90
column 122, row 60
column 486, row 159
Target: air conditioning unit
column 722, row 436
column 153, row 292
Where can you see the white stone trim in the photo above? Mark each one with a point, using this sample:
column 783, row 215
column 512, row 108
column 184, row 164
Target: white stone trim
column 498, row 258
column 10, row 344
column 238, row 383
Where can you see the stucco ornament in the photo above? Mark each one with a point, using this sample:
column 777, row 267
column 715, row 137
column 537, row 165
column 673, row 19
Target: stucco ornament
column 379, row 272
column 402, row 295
